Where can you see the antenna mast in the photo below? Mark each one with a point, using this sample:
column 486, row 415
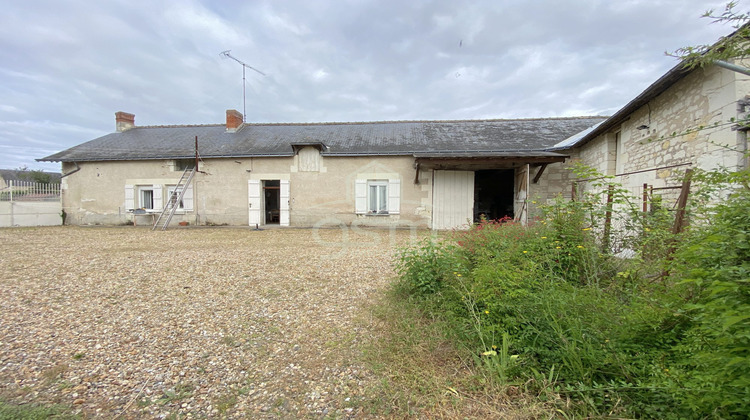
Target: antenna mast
column 226, row 54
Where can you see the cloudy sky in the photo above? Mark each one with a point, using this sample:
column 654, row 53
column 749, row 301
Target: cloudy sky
column 67, row 66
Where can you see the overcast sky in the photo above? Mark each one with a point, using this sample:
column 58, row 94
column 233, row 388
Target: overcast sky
column 67, row 66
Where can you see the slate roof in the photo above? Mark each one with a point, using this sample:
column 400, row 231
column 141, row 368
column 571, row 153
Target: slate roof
column 475, row 138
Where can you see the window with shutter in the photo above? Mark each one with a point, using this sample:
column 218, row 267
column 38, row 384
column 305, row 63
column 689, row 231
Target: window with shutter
column 377, row 196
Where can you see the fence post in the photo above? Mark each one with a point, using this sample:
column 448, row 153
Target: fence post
column 11, row 192
column 645, row 198
column 679, row 220
column 608, row 218
column 573, row 191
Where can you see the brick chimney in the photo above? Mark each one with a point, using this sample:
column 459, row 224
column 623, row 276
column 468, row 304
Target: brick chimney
column 124, row 121
column 234, row 120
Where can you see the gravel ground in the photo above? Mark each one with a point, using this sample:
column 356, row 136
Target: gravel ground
column 190, row 323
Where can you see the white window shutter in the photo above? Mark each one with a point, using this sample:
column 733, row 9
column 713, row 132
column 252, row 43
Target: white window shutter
column 187, row 199
column 129, row 197
column 284, row 202
column 253, row 202
column 157, row 197
column 394, row 196
column 360, row 196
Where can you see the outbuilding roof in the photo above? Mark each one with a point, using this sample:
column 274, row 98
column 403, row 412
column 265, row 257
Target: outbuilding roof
column 473, row 137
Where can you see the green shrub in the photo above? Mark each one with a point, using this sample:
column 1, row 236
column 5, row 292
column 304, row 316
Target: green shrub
column 425, row 266
column 713, row 373
column 548, row 306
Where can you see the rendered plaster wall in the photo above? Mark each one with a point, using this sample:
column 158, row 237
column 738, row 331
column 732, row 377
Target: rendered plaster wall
column 321, row 190
column 95, row 194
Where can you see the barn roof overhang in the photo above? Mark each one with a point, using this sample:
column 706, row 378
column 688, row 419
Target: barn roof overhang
column 479, row 161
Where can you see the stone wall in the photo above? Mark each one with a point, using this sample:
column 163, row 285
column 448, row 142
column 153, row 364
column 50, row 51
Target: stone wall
column 690, row 125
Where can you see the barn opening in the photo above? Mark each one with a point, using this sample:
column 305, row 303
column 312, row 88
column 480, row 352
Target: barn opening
column 493, row 194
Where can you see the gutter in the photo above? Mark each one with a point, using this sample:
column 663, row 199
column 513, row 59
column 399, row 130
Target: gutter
column 733, row 67
column 78, row 168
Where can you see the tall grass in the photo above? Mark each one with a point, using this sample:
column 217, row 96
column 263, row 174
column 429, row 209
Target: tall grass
column 663, row 335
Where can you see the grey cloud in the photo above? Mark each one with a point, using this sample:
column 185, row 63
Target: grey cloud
column 65, row 68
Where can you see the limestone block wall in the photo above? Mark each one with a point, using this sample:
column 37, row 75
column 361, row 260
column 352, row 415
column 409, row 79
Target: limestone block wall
column 556, row 181
column 690, row 123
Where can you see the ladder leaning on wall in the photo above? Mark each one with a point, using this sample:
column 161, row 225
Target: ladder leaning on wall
column 174, row 199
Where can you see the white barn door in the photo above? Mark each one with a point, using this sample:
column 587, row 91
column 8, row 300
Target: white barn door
column 453, row 199
column 254, row 202
column 284, row 202
column 521, row 192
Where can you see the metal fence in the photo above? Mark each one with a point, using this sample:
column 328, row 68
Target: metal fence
column 30, row 191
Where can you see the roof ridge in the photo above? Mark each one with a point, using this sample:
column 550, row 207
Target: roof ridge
column 318, row 123
column 179, row 125
column 426, row 121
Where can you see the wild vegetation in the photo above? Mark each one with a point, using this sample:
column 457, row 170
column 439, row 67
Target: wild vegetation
column 550, row 309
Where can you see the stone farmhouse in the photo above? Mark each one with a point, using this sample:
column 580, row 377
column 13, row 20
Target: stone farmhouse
column 426, row 174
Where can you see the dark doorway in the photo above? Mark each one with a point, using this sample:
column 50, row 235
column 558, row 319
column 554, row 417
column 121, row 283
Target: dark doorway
column 271, row 200
column 493, row 194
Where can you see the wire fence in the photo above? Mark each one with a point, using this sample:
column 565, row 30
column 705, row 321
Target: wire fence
column 629, row 209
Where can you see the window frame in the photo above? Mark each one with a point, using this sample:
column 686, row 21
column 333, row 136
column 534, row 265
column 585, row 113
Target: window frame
column 171, row 188
column 377, row 205
column 141, row 190
column 391, row 195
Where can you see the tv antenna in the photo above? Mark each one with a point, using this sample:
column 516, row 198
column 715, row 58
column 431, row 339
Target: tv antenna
column 226, row 54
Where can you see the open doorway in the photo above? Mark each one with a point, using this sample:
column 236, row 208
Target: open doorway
column 493, row 194
column 271, row 201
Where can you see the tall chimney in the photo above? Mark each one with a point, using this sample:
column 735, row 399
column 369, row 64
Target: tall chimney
column 124, row 121
column 234, row 120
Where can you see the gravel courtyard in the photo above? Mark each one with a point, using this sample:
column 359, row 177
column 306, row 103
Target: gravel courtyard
column 191, row 323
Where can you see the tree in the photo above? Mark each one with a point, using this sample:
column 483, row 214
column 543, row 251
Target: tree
column 33, row 175
column 732, row 46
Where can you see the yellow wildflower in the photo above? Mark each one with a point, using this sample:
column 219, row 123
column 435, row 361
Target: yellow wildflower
column 525, row 252
column 580, row 247
column 487, row 312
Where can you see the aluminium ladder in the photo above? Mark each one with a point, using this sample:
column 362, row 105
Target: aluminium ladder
column 174, row 199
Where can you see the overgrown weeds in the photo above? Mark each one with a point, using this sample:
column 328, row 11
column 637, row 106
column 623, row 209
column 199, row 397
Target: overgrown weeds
column 423, row 374
column 550, row 309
